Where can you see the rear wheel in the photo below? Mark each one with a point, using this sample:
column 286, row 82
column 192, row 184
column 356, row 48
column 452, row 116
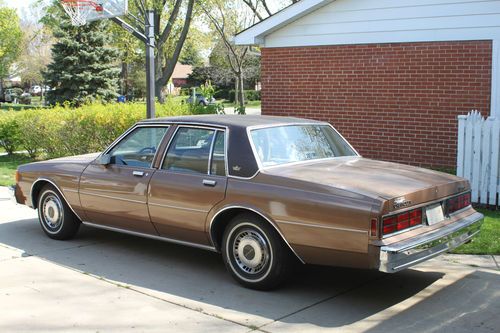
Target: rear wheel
column 254, row 253
column 56, row 218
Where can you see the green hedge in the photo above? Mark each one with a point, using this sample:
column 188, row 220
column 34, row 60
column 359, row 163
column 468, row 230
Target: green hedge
column 62, row 131
column 250, row 95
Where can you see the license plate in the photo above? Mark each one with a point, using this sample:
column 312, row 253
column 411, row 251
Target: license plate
column 434, row 214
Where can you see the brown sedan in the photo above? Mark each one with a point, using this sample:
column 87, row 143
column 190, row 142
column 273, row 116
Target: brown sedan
column 264, row 191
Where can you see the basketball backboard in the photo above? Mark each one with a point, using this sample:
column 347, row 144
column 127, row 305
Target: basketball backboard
column 85, row 11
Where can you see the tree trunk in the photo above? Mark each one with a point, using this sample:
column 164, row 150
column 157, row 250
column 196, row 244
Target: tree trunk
column 240, row 93
column 159, row 93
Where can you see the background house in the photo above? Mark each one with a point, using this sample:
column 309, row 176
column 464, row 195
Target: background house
column 391, row 75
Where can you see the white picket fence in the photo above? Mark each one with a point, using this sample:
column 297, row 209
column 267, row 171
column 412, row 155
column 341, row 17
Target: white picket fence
column 478, row 156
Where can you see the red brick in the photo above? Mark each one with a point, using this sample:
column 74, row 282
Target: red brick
column 396, row 102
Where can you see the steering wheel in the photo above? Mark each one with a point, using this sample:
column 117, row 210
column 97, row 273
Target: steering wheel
column 147, row 150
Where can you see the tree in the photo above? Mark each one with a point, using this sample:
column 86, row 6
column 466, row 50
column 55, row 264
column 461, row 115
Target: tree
column 10, row 40
column 82, row 69
column 226, row 19
column 36, row 48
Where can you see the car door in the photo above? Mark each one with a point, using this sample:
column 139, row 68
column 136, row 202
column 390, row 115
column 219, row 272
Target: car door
column 115, row 195
column 191, row 180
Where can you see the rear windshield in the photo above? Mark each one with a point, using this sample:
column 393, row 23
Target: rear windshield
column 296, row 143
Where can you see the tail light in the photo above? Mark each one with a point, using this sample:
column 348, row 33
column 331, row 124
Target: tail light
column 459, row 202
column 18, row 176
column 401, row 221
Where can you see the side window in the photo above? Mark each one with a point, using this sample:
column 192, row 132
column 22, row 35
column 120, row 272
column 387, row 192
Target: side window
column 218, row 166
column 189, row 150
column 138, row 148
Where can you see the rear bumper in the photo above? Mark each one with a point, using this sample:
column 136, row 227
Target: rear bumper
column 401, row 255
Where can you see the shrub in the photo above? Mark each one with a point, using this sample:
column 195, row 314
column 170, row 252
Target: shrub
column 9, row 132
column 250, row 95
column 62, row 131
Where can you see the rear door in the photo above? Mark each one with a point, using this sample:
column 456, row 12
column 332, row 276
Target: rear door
column 115, row 195
column 189, row 183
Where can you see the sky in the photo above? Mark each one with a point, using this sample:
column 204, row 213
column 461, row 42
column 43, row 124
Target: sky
column 19, row 4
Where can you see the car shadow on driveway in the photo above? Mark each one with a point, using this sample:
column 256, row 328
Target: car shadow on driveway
column 323, row 297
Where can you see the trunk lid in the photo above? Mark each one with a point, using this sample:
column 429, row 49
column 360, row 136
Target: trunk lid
column 376, row 179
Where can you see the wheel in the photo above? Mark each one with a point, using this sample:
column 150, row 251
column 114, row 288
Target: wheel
column 56, row 218
column 254, row 253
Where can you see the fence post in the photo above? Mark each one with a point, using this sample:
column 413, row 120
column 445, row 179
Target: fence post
column 461, row 143
column 494, row 152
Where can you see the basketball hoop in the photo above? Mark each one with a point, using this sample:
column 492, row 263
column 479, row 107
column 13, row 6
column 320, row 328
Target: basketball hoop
column 79, row 10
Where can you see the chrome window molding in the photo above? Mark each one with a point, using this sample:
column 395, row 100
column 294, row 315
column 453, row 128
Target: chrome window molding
column 155, row 237
column 57, row 188
column 259, row 162
column 216, row 129
column 258, row 213
column 127, row 132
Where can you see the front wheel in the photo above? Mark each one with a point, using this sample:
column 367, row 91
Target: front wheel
column 56, row 218
column 254, row 253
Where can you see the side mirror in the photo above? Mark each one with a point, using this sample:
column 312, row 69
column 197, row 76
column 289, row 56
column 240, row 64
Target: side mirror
column 103, row 160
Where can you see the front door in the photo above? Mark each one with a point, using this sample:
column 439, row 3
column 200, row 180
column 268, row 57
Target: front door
column 116, row 195
column 190, row 182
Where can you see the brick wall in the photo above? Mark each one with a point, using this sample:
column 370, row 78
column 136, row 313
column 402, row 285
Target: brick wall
column 396, row 102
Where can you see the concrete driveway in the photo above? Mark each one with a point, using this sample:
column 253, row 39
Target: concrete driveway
column 107, row 282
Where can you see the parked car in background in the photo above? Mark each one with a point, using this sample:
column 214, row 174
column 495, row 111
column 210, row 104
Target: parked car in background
column 200, row 100
column 12, row 95
column 263, row 191
column 36, row 90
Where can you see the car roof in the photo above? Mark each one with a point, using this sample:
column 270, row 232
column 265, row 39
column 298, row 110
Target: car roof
column 241, row 121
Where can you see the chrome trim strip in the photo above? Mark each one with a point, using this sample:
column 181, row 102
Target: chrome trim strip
column 112, row 197
column 178, row 207
column 312, row 225
column 70, row 190
column 57, row 188
column 258, row 213
column 155, row 237
column 212, row 144
column 404, row 254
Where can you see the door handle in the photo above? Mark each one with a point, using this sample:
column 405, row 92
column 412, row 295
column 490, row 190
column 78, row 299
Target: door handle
column 208, row 182
column 138, row 173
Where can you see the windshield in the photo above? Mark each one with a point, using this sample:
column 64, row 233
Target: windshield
column 295, row 143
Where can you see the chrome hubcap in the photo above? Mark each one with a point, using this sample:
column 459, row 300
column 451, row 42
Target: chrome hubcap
column 250, row 251
column 52, row 211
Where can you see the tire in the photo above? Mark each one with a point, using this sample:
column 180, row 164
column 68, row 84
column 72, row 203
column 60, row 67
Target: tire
column 55, row 216
column 254, row 253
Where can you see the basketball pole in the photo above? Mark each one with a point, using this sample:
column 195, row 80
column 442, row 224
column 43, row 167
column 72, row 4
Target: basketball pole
column 150, row 64
column 149, row 41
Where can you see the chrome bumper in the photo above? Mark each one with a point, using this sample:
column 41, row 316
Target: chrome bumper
column 401, row 255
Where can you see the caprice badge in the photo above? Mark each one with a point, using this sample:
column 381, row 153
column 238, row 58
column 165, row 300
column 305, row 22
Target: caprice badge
column 401, row 202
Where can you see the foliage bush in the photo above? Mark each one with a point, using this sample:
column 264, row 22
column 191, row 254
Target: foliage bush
column 63, row 131
column 250, row 95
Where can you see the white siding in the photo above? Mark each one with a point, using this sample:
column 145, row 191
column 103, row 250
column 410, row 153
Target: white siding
column 369, row 21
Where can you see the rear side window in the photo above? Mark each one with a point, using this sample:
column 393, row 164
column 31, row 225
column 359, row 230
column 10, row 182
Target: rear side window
column 189, row 150
column 197, row 150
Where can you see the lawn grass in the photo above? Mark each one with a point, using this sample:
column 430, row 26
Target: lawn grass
column 248, row 104
column 16, row 107
column 8, row 167
column 488, row 241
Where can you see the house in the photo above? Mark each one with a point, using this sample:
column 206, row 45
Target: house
column 391, row 75
column 180, row 74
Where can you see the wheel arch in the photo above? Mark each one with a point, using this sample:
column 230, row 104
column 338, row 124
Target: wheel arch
column 221, row 219
column 37, row 186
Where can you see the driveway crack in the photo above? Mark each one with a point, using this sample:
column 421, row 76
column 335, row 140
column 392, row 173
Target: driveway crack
column 340, row 293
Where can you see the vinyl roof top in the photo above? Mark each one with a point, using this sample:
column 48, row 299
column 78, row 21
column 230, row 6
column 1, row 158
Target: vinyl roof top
column 232, row 120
